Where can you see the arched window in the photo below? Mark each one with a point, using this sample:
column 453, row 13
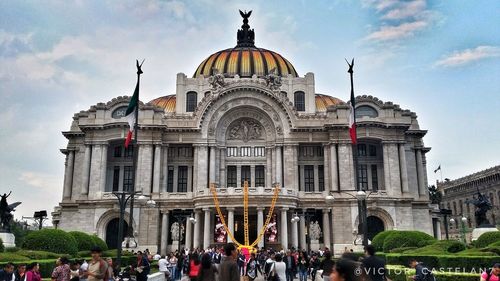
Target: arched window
column 191, row 101
column 300, row 101
column 366, row 110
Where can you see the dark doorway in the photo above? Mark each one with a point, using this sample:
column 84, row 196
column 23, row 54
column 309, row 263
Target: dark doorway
column 239, row 228
column 375, row 225
column 112, row 233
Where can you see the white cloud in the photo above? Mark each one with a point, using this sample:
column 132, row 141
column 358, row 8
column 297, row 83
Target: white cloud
column 43, row 181
column 404, row 30
column 405, row 10
column 467, row 56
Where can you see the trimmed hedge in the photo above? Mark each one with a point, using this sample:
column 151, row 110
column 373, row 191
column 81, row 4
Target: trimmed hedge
column 378, row 240
column 487, row 238
column 52, row 240
column 400, row 273
column 39, row 255
column 12, row 257
column 466, row 263
column 99, row 242
column 441, row 247
column 12, row 249
column 84, row 241
column 400, row 239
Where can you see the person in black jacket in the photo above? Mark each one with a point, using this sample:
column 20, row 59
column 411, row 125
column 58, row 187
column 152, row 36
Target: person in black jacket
column 7, row 272
column 373, row 267
column 327, row 265
column 422, row 273
column 291, row 266
column 20, row 273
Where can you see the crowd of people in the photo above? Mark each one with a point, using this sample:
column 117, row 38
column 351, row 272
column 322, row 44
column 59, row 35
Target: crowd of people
column 228, row 264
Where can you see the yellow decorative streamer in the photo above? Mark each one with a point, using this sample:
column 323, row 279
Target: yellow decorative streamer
column 245, row 214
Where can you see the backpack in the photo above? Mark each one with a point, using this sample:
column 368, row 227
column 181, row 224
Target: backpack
column 268, row 267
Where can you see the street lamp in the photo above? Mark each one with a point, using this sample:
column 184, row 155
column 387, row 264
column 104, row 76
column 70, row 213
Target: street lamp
column 295, row 218
column 123, row 198
column 464, row 221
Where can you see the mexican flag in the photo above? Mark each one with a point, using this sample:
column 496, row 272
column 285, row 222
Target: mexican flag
column 133, row 108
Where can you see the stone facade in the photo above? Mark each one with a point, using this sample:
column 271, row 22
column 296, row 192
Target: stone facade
column 244, row 128
column 456, row 192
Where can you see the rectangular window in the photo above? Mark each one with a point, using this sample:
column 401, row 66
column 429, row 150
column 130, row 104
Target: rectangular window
column 260, row 176
column 245, row 175
column 182, row 179
column 245, row 151
column 319, row 151
column 170, row 179
column 374, row 178
column 185, row 152
column 309, row 178
column 321, row 178
column 172, row 152
column 129, row 151
column 260, row 151
column 231, row 176
column 362, row 149
column 362, row 177
column 232, row 151
column 307, row 151
column 128, row 176
column 116, row 178
column 117, row 152
column 372, row 150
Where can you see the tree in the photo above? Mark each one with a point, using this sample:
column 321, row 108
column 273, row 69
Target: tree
column 20, row 230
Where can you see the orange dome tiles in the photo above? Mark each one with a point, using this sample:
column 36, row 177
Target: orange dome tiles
column 245, row 62
column 165, row 102
column 323, row 101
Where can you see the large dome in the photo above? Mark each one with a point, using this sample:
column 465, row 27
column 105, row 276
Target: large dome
column 245, row 59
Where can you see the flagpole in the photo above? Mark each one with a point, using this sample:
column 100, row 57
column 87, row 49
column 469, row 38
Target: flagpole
column 441, row 172
column 136, row 152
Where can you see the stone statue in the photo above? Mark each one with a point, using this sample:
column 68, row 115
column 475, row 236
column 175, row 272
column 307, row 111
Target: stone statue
column 315, row 231
column 174, row 230
column 245, row 130
column 273, row 80
column 6, row 212
column 217, row 80
column 483, row 205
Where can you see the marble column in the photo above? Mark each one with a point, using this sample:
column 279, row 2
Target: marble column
column 104, row 163
column 279, row 166
column 195, row 169
column 403, row 168
column 326, row 167
column 207, row 229
column 197, row 229
column 230, row 222
column 326, row 228
column 189, row 234
column 387, row 171
column 212, row 165
column 222, row 171
column 217, row 165
column 163, row 186
column 157, row 169
column 420, row 173
column 302, row 232
column 252, row 176
column 86, row 169
column 238, row 176
column 68, row 175
column 202, row 162
column 284, row 228
column 164, row 232
column 346, row 167
column 269, row 165
column 260, row 224
column 394, row 169
column 316, row 178
column 295, row 235
column 296, row 171
column 288, row 167
column 334, row 173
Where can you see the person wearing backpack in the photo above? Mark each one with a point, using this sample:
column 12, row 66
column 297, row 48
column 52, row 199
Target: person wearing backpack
column 492, row 274
column 422, row 273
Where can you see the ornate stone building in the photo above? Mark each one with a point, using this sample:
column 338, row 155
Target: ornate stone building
column 457, row 192
column 246, row 114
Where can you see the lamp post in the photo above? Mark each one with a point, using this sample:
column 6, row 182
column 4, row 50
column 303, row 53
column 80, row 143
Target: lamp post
column 463, row 221
column 361, row 197
column 123, row 198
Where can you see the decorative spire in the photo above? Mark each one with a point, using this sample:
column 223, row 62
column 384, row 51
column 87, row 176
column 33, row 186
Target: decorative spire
column 245, row 36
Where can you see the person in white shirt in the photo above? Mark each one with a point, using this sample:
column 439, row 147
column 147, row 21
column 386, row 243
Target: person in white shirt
column 280, row 267
column 163, row 267
column 157, row 257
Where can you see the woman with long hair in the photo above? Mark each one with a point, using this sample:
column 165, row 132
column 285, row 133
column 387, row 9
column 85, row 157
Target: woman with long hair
column 33, row 272
column 208, row 270
column 253, row 267
column 303, row 266
column 194, row 267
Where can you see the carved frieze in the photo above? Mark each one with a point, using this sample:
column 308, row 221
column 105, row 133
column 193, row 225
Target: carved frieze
column 245, row 129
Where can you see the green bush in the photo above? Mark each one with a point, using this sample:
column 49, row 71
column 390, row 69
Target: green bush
column 85, row 242
column 2, row 248
column 495, row 244
column 487, row 238
column 12, row 257
column 467, row 263
column 400, row 239
column 99, row 242
column 441, row 248
column 52, row 240
column 39, row 255
column 378, row 240
column 11, row 249
column 83, row 254
column 400, row 273
column 403, row 249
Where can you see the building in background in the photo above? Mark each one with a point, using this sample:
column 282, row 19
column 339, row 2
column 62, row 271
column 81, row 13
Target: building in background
column 456, row 192
column 246, row 126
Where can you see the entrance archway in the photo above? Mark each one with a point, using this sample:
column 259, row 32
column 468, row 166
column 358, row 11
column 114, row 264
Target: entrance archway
column 112, row 238
column 375, row 225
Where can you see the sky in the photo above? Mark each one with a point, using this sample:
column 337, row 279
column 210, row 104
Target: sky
column 440, row 59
